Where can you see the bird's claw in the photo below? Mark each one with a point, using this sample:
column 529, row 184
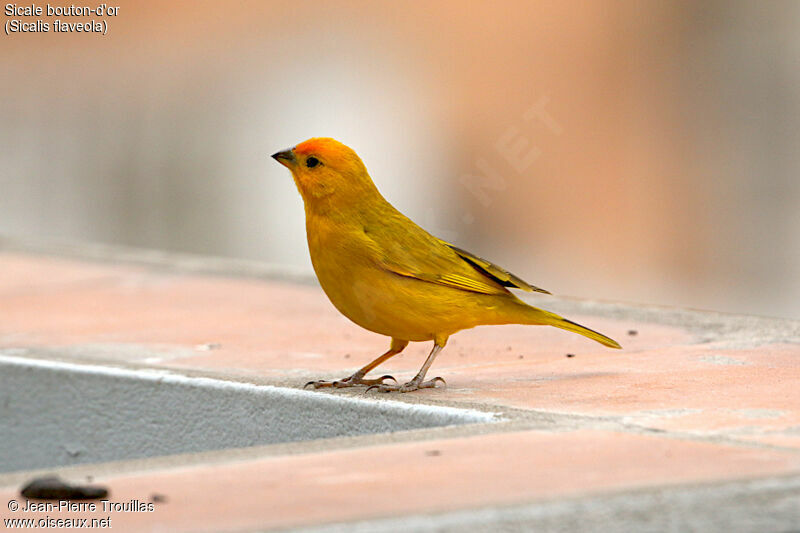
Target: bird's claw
column 407, row 387
column 351, row 381
column 437, row 378
column 377, row 381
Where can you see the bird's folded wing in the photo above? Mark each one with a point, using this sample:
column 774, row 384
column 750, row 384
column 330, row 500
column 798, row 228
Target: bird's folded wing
column 455, row 281
column 498, row 274
column 414, row 253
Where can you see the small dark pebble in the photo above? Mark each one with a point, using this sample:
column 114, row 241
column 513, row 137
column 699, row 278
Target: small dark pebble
column 508, row 349
column 632, row 332
column 53, row 488
column 433, row 453
column 521, row 357
column 158, row 498
column 208, row 346
column 570, row 355
column 347, row 356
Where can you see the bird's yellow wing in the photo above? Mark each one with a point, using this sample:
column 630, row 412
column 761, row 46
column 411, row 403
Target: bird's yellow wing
column 402, row 247
column 455, row 281
column 498, row 274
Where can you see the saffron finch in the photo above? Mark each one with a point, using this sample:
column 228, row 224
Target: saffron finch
column 390, row 276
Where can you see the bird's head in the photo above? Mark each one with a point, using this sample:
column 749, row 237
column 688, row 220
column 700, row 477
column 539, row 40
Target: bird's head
column 325, row 169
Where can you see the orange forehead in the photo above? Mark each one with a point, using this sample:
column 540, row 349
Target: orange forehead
column 319, row 145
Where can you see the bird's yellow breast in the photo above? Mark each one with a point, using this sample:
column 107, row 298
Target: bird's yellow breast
column 384, row 302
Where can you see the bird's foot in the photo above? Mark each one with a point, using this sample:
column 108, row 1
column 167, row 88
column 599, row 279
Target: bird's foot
column 414, row 384
column 352, row 381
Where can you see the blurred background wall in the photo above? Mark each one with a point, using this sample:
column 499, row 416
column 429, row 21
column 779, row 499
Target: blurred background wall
column 637, row 151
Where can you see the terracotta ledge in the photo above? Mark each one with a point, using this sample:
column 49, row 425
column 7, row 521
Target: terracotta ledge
column 694, row 398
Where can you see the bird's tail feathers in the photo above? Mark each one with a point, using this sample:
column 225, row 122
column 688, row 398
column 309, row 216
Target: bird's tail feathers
column 552, row 319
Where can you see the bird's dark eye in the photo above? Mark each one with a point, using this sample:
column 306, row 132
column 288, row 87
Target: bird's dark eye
column 311, row 162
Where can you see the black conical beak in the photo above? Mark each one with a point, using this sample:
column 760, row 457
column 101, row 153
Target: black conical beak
column 285, row 158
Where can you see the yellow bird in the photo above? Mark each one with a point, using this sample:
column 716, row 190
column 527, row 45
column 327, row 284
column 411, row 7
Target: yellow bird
column 389, row 275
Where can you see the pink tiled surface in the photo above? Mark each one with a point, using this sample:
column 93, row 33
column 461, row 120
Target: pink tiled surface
column 345, row 485
column 271, row 331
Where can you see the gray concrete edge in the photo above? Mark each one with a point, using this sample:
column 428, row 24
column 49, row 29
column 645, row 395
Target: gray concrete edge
column 748, row 506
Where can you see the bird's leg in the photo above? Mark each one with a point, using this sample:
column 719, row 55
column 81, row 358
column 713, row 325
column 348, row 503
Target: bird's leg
column 417, row 383
column 358, row 377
